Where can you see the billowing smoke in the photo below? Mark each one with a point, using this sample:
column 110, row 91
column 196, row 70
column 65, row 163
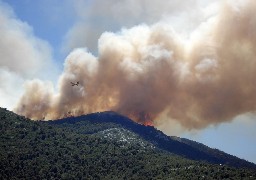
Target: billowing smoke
column 125, row 13
column 22, row 56
column 148, row 72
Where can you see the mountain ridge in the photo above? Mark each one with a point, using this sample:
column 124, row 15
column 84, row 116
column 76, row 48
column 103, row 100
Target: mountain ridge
column 82, row 148
column 183, row 147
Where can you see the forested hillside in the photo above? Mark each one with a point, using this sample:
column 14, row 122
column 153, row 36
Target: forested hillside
column 175, row 145
column 86, row 150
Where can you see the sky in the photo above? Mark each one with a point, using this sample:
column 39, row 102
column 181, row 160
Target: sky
column 185, row 66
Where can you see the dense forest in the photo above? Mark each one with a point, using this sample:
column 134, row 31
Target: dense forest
column 100, row 150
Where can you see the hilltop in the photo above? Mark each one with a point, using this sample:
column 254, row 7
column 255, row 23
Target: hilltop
column 104, row 146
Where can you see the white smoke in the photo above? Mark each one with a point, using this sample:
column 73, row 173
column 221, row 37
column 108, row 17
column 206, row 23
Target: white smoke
column 94, row 18
column 23, row 56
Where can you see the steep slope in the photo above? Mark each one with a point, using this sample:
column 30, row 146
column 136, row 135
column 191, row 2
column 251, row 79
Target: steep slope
column 179, row 146
column 76, row 148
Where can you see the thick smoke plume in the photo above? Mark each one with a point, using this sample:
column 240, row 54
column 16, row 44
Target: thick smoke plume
column 147, row 71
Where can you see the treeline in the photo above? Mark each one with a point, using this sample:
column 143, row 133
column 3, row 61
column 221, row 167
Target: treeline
column 37, row 150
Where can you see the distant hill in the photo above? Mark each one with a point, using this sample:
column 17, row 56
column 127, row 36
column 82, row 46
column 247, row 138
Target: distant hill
column 106, row 146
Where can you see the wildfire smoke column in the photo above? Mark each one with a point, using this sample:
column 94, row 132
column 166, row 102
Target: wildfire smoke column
column 148, row 71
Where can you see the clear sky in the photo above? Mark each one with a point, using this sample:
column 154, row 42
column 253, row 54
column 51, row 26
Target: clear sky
column 38, row 37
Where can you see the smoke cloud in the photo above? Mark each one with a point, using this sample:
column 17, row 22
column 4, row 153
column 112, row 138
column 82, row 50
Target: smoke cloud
column 23, row 56
column 94, row 18
column 151, row 71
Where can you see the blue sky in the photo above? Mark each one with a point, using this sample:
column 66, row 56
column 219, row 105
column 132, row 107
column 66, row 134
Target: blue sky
column 50, row 21
column 51, row 29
